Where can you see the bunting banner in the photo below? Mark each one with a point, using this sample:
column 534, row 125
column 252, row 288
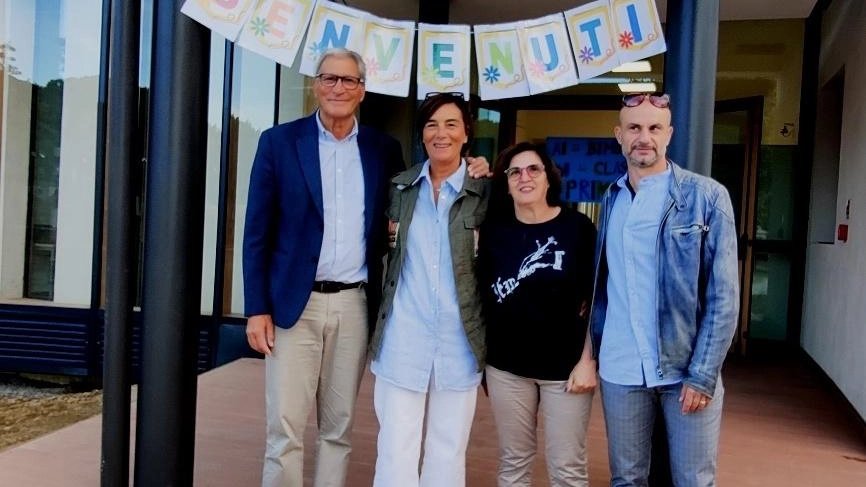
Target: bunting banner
column 547, row 54
column 225, row 17
column 443, row 59
column 388, row 50
column 500, row 66
column 276, row 28
column 638, row 29
column 513, row 59
column 332, row 25
column 591, row 30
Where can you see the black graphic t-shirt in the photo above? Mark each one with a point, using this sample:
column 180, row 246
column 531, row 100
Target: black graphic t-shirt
column 534, row 278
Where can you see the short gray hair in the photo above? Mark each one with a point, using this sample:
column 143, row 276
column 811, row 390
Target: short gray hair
column 341, row 52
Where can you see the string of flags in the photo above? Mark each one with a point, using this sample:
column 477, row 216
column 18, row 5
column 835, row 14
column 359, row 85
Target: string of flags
column 513, row 59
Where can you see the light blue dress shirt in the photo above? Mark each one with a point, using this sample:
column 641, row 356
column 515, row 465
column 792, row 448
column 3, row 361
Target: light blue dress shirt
column 424, row 343
column 344, row 245
column 629, row 350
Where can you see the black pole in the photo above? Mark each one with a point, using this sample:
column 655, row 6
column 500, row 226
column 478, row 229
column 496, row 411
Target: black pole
column 174, row 220
column 123, row 154
column 692, row 34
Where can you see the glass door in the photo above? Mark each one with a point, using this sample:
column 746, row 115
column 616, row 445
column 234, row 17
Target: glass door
column 736, row 145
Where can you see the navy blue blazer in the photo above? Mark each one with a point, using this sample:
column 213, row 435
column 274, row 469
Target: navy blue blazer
column 284, row 223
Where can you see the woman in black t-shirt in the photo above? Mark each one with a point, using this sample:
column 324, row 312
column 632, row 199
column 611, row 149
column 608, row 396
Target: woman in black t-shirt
column 535, row 261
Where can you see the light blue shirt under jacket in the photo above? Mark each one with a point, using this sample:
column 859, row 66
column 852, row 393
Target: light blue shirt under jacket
column 343, row 255
column 629, row 351
column 424, row 343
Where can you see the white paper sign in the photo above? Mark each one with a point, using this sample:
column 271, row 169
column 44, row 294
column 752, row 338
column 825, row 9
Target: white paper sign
column 225, row 17
column 500, row 65
column 547, row 55
column 443, row 59
column 332, row 25
column 591, row 29
column 388, row 53
column 638, row 29
column 276, row 28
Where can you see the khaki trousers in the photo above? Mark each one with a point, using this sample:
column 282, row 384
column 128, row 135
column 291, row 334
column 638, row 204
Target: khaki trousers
column 319, row 361
column 516, row 402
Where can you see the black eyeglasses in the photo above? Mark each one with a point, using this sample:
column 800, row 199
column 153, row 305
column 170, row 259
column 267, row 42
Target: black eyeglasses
column 658, row 100
column 532, row 170
column 456, row 94
column 330, row 80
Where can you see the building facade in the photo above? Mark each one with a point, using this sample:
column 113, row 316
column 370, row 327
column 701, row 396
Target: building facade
column 793, row 179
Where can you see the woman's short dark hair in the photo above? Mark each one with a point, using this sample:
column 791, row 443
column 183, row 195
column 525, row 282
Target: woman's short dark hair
column 500, row 200
column 435, row 101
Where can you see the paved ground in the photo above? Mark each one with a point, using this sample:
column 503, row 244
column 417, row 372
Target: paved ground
column 782, row 428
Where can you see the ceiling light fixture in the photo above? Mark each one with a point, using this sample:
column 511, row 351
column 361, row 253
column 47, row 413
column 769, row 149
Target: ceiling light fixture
column 635, row 67
column 637, row 87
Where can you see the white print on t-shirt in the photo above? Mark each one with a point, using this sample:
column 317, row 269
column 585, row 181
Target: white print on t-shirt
column 530, row 264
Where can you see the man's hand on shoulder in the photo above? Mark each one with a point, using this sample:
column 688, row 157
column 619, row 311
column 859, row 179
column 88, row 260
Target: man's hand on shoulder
column 478, row 167
column 260, row 333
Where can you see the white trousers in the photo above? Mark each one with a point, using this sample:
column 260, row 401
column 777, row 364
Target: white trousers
column 401, row 420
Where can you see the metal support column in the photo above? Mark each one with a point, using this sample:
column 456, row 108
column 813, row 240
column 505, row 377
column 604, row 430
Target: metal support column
column 692, row 34
column 123, row 155
column 165, row 438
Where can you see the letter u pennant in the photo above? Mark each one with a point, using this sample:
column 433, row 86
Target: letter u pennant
column 547, row 56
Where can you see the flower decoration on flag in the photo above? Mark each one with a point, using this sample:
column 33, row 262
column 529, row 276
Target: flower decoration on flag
column 316, row 50
column 626, row 39
column 491, row 74
column 259, row 26
column 372, row 66
column 429, row 75
column 536, row 68
column 586, row 55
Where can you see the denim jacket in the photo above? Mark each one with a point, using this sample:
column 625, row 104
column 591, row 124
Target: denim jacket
column 467, row 214
column 698, row 279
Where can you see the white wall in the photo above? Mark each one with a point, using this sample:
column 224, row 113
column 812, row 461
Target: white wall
column 81, row 27
column 212, row 174
column 17, row 31
column 834, row 311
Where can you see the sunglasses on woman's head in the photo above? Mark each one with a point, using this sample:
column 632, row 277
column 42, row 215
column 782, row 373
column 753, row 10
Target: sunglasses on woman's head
column 658, row 100
column 456, row 94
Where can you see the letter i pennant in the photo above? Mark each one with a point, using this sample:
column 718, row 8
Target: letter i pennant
column 638, row 31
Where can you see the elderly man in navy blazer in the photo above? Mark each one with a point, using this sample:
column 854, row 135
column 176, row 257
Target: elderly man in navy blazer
column 314, row 239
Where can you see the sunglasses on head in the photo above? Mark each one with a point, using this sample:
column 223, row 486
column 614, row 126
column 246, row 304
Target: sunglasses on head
column 456, row 94
column 658, row 100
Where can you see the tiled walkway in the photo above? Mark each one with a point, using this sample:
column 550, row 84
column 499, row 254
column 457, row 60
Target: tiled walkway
column 781, row 428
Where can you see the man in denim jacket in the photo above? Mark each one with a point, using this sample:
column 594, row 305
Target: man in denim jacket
column 665, row 303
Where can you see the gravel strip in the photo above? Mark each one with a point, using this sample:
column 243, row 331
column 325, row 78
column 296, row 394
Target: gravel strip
column 29, row 410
